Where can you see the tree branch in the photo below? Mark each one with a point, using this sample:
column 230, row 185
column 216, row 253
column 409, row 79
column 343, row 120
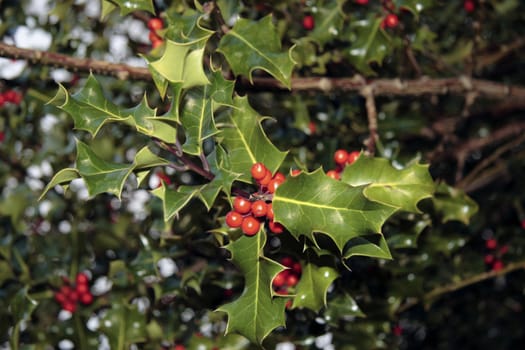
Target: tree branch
column 513, row 94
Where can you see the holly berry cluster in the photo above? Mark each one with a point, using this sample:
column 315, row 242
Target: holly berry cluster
column 493, row 258
column 155, row 24
column 250, row 213
column 10, row 96
column 68, row 296
column 287, row 278
column 342, row 158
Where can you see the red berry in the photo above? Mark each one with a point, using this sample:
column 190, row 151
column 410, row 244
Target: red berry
column 242, row 205
column 280, row 279
column 86, row 298
column 269, row 211
column 491, row 243
column 469, row 5
column 258, row 171
column 361, row 2
column 154, row 37
column 308, row 22
column 273, row 184
column 82, row 278
column 259, row 208
column 266, row 179
column 60, row 297
column 279, row 177
column 250, row 225
column 397, row 330
column 504, row 249
column 155, row 24
column 391, row 20
column 82, row 289
column 333, row 174
column 292, row 280
column 312, row 128
column 522, row 223
column 66, row 290
column 340, row 156
column 352, row 157
column 498, row 265
column 296, row 268
column 489, row 259
column 179, row 347
column 275, row 227
column 287, row 261
column 288, row 304
column 234, row 219
column 69, row 306
column 156, row 43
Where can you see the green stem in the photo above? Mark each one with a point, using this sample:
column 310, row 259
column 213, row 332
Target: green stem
column 79, row 328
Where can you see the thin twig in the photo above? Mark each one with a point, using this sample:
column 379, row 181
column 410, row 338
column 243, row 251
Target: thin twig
column 371, row 113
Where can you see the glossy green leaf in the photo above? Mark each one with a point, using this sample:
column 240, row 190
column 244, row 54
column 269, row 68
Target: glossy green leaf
column 128, row 6
column 373, row 246
column 314, row 202
column 414, row 6
column 186, row 28
column 453, row 204
column 107, row 8
column 371, row 44
column 311, row 290
column 64, row 176
column 401, row 188
column 343, row 307
column 22, row 306
column 124, row 325
column 251, row 45
column 329, row 21
column 144, row 161
column 407, row 237
column 246, row 143
column 182, row 63
column 256, row 312
column 174, row 200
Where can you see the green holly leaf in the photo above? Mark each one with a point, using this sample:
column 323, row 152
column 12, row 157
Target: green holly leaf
column 107, row 8
column 407, row 231
column 340, row 308
column 22, row 306
column 246, row 143
column 221, row 90
column 385, row 184
column 370, row 44
column 453, row 204
column 251, row 45
column 181, row 63
column 373, row 246
column 186, row 28
column 128, row 6
column 63, row 177
column 174, row 200
column 311, row 290
column 329, row 21
column 124, row 325
column 256, row 312
column 222, row 181
column 144, row 161
column 314, row 202
column 197, row 119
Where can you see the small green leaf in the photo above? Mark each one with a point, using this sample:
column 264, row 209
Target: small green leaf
column 256, row 312
column 107, row 8
column 22, row 306
column 313, row 286
column 100, row 176
column 371, row 44
column 329, row 21
column 385, row 184
column 246, row 143
column 454, row 204
column 314, row 202
column 63, row 176
column 174, row 200
column 373, row 246
column 251, row 45
column 340, row 308
column 186, row 28
column 128, row 6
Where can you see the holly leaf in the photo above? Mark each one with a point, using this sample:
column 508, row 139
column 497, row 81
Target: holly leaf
column 314, row 202
column 174, row 200
column 454, row 204
column 313, row 286
column 246, row 143
column 100, row 176
column 342, row 307
column 256, row 312
column 186, row 28
column 21, row 306
column 222, row 181
column 128, row 6
column 64, row 176
column 401, row 188
column 124, row 325
column 197, row 119
column 370, row 44
column 329, row 21
column 414, row 6
column 144, row 161
column 182, row 63
column 373, row 246
column 251, row 45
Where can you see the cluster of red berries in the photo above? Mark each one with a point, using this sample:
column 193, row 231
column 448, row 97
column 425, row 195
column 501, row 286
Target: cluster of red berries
column 155, row 24
column 469, row 5
column 10, row 96
column 287, row 278
column 250, row 213
column 342, row 158
column 495, row 254
column 68, row 296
